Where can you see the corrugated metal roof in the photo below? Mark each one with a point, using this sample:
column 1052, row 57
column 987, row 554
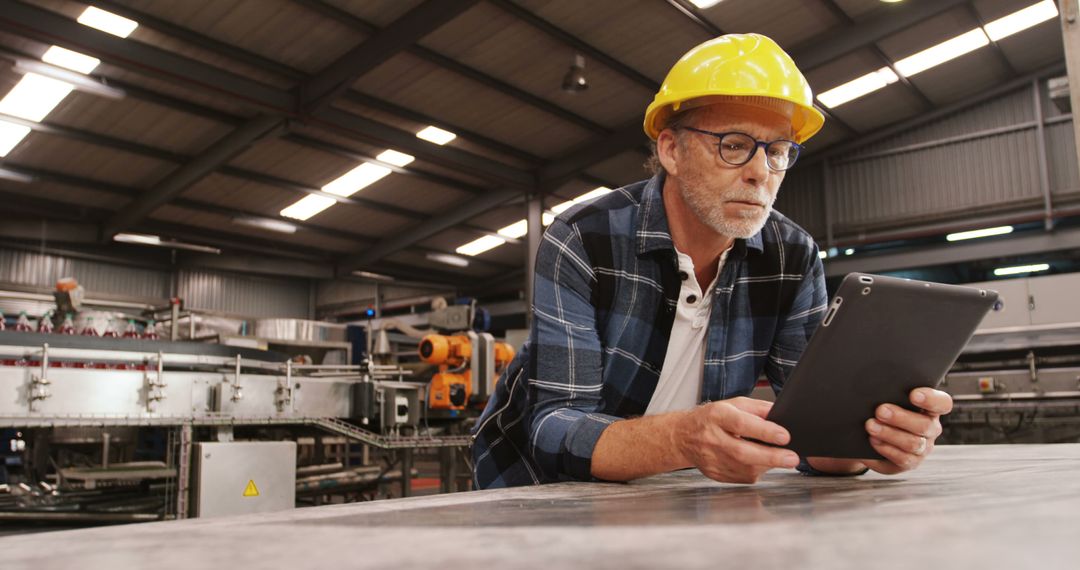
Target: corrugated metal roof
column 76, row 196
column 789, row 23
column 414, row 83
column 644, row 34
column 42, row 150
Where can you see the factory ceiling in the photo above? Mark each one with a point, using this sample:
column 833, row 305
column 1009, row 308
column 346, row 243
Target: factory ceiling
column 289, row 128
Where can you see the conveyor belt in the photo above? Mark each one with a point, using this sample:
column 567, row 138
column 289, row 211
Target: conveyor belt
column 983, row 507
column 35, row 340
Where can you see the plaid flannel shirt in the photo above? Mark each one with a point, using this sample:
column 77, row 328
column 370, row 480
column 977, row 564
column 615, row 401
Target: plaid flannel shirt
column 604, row 302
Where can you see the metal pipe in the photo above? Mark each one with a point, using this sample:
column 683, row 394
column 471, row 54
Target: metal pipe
column 1040, row 149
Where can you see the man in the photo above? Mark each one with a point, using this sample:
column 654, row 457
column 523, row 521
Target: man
column 657, row 306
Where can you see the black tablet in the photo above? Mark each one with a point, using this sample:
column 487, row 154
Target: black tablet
column 881, row 338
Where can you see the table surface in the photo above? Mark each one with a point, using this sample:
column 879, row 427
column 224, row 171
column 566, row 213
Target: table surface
column 1007, row 506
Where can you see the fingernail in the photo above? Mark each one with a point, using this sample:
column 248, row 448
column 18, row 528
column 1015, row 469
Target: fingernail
column 885, row 413
column 778, row 438
column 791, row 461
column 875, row 441
column 874, row 427
column 919, row 397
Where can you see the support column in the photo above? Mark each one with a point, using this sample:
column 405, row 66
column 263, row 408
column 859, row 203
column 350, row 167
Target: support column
column 1040, row 154
column 826, row 196
column 534, row 215
column 1070, row 35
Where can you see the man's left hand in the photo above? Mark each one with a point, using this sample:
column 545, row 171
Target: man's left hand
column 905, row 437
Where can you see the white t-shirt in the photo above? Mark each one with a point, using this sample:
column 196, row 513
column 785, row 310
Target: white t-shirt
column 679, row 387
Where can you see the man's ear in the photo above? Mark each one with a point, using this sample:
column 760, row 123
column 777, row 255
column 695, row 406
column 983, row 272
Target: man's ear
column 666, row 149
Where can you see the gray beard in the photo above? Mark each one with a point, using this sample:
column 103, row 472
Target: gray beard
column 708, row 207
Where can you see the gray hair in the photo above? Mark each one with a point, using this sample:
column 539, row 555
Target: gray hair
column 681, row 119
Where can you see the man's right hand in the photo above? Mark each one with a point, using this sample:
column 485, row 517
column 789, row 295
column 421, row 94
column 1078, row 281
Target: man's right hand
column 712, row 436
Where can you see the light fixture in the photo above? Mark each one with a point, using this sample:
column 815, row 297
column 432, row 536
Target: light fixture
column 703, row 4
column 356, row 179
column 574, row 80
column 857, row 87
column 391, row 156
column 943, row 52
column 156, row 241
column 34, row 96
column 72, row 60
column 1021, row 20
column 823, row 255
column 974, row 234
column 69, row 78
column 1021, row 269
column 448, row 259
column 266, row 224
column 849, row 251
column 307, row 207
column 515, row 230
column 372, row 276
column 480, row 245
column 436, row 135
column 6, row 174
column 10, row 135
column 107, row 22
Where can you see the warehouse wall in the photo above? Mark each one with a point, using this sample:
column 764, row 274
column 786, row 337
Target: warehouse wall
column 981, row 159
column 216, row 291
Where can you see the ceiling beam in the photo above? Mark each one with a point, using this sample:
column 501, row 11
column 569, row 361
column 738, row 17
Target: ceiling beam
column 185, row 176
column 317, row 92
column 350, row 20
column 577, row 43
column 43, row 25
column 887, row 20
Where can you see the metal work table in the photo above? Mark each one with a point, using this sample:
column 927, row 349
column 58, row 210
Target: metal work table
column 967, row 507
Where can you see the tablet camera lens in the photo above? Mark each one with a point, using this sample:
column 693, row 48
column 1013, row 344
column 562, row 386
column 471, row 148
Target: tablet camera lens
column 866, row 291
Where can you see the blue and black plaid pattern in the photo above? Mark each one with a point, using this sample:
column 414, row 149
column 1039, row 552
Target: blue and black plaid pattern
column 603, row 307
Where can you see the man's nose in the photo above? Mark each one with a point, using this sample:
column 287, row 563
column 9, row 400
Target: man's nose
column 757, row 170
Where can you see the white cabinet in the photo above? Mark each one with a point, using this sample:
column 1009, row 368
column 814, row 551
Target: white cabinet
column 1047, row 300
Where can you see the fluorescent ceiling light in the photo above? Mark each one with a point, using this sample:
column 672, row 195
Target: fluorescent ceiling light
column 307, row 207
column 107, row 22
column 515, row 230
column 396, row 158
column 266, row 224
column 436, row 135
column 11, row 135
column 68, row 59
column 146, row 239
column 6, row 174
column 34, row 96
column 448, row 259
column 823, row 255
column 857, row 87
column 1021, row 269
column 373, row 276
column 705, row 3
column 75, row 79
column 594, row 193
column 1021, row 20
column 973, row 234
column 849, row 251
column 945, row 51
column 478, row 246
column 356, row 179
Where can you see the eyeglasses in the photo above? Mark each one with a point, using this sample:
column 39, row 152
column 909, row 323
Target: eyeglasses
column 737, row 149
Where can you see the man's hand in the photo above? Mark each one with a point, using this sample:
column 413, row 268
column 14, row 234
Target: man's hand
column 711, row 438
column 904, row 437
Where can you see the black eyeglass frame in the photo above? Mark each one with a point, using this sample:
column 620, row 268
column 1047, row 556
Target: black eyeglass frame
column 757, row 144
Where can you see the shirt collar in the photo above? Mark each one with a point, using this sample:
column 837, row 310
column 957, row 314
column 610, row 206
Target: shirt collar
column 654, row 234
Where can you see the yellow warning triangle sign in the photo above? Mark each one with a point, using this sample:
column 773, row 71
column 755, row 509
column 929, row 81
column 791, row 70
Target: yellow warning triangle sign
column 251, row 490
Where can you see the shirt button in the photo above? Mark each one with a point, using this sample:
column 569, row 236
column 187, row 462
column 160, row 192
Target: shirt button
column 691, row 299
column 684, row 275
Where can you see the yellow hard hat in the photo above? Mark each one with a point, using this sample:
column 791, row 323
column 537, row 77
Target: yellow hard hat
column 737, row 67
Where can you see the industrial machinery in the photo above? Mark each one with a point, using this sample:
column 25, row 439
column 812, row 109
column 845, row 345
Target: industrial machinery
column 1018, row 379
column 461, row 358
